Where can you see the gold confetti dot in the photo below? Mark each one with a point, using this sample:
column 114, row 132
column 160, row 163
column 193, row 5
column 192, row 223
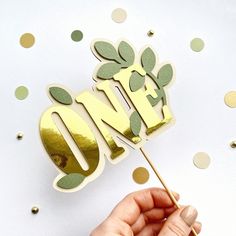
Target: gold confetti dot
column 201, row 160
column 35, row 210
column 233, row 144
column 27, row 40
column 19, row 136
column 150, row 33
column 140, row 175
column 197, row 44
column 119, row 15
column 230, row 99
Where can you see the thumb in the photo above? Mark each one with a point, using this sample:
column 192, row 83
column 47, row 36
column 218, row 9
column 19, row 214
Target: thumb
column 180, row 222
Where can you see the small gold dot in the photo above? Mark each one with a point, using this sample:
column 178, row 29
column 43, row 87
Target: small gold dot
column 233, row 144
column 27, row 40
column 35, row 210
column 150, row 33
column 140, row 175
column 19, row 136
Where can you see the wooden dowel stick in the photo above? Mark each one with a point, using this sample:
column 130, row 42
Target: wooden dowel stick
column 172, row 197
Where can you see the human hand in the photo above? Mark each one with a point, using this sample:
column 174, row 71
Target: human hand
column 149, row 212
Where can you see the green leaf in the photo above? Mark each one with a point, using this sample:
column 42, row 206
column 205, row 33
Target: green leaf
column 136, row 81
column 154, row 101
column 106, row 50
column 148, row 59
column 108, row 70
column 126, row 52
column 60, row 95
column 135, row 123
column 165, row 75
column 70, row 181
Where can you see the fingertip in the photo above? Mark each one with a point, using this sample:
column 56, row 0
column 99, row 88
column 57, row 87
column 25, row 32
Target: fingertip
column 197, row 226
column 176, row 195
column 163, row 199
column 170, row 210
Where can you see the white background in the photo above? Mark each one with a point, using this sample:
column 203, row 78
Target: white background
column 203, row 122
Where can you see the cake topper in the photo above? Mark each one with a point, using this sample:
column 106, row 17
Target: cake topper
column 129, row 103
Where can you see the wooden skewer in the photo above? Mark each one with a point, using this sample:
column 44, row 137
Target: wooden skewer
column 164, row 185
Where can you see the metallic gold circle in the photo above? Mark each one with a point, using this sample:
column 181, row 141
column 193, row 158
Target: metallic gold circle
column 27, row 40
column 35, row 210
column 21, row 92
column 140, row 175
column 233, row 144
column 150, row 33
column 19, row 136
column 230, row 99
column 201, row 160
column 197, row 44
column 119, row 15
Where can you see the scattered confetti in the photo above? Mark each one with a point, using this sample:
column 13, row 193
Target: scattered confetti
column 197, row 44
column 201, row 160
column 230, row 99
column 35, row 210
column 140, row 175
column 27, row 40
column 21, row 92
column 119, row 15
column 76, row 35
column 233, row 144
column 19, row 136
column 150, row 33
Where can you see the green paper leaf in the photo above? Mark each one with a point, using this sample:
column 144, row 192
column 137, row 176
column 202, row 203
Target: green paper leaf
column 126, row 52
column 135, row 123
column 70, row 181
column 136, row 81
column 106, row 50
column 108, row 70
column 154, row 101
column 60, row 95
column 165, row 75
column 148, row 59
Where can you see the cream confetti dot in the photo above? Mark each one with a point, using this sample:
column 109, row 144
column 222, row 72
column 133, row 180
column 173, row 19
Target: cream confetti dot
column 197, row 44
column 140, row 175
column 119, row 15
column 27, row 40
column 21, row 92
column 201, row 160
column 230, row 99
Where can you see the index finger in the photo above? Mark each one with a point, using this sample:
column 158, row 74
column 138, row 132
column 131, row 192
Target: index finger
column 130, row 208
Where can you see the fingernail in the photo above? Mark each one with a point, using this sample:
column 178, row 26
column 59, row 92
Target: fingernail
column 175, row 194
column 199, row 224
column 189, row 215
